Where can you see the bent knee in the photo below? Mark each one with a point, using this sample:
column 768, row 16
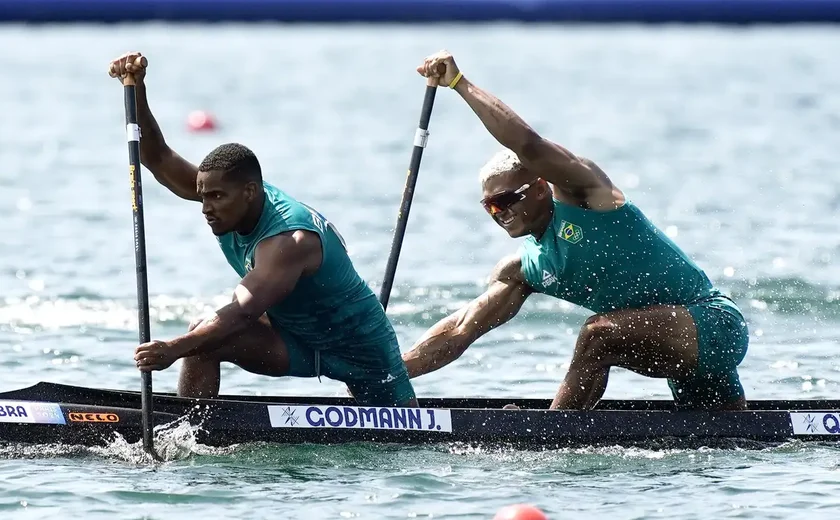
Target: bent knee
column 597, row 327
column 595, row 339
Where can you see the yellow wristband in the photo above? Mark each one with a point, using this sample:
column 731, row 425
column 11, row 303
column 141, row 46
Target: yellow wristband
column 456, row 80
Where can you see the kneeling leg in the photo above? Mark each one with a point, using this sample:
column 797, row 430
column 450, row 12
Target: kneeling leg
column 259, row 349
column 658, row 341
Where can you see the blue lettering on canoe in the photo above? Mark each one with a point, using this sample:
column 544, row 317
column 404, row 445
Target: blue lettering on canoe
column 13, row 411
column 432, row 424
column 312, row 410
column 334, row 417
column 414, row 421
column 831, row 423
column 385, row 418
column 369, row 415
column 399, row 419
column 351, row 418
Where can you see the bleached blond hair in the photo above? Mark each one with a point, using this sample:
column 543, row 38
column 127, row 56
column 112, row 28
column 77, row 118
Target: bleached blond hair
column 503, row 162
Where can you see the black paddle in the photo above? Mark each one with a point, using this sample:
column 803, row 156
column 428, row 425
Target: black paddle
column 408, row 192
column 133, row 135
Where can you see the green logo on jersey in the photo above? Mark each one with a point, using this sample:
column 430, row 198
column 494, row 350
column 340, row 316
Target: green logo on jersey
column 570, row 232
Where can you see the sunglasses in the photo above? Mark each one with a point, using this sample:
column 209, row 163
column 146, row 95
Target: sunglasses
column 502, row 201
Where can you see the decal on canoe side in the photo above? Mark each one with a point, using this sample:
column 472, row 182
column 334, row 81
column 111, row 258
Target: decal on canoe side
column 30, row 412
column 360, row 417
column 815, row 423
column 93, row 417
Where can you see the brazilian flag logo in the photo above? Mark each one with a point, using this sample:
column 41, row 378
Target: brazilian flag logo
column 570, row 232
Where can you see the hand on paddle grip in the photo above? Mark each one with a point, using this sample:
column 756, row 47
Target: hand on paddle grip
column 440, row 69
column 130, row 68
column 154, row 355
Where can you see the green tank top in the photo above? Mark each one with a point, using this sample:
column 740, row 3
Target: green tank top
column 608, row 260
column 334, row 308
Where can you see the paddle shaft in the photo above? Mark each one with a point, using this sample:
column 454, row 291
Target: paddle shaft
column 408, row 192
column 133, row 136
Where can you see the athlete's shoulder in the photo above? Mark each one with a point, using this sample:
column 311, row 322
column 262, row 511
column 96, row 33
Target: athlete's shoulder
column 276, row 196
column 283, row 206
column 296, row 243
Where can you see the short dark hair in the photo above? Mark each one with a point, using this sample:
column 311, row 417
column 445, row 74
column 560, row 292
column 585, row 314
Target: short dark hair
column 235, row 161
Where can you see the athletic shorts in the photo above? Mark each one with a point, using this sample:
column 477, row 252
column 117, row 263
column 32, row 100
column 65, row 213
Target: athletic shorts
column 722, row 339
column 374, row 373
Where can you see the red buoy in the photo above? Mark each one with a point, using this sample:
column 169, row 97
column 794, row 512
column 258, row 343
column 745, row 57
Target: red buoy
column 520, row 512
column 199, row 121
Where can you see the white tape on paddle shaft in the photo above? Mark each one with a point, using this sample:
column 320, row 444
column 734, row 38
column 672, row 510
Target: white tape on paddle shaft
column 132, row 132
column 421, row 137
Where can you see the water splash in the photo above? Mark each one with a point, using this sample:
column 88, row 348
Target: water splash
column 173, row 442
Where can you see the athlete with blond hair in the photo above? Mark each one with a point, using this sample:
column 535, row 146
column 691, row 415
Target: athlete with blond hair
column 655, row 311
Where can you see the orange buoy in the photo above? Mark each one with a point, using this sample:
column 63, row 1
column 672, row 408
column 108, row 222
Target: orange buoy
column 199, row 121
column 520, row 512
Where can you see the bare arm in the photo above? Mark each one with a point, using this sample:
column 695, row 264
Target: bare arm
column 169, row 168
column 450, row 337
column 577, row 177
column 280, row 262
column 569, row 173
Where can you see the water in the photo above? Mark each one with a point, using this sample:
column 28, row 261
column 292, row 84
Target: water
column 725, row 138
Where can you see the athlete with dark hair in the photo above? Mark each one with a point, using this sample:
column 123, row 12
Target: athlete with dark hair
column 301, row 309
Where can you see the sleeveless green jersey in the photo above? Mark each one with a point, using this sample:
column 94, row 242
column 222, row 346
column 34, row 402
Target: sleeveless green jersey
column 334, row 308
column 608, row 260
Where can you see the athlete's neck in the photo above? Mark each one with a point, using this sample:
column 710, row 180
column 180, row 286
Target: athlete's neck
column 542, row 223
column 254, row 214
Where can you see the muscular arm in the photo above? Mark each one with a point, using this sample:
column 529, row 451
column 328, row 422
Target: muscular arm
column 280, row 262
column 578, row 177
column 170, row 169
column 450, row 337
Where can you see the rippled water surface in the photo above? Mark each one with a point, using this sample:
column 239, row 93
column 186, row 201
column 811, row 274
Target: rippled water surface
column 725, row 138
